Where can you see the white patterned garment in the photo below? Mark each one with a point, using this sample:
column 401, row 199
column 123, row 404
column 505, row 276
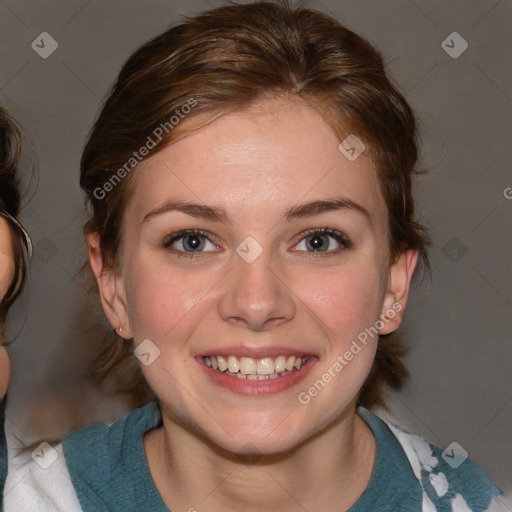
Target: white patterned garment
column 424, row 463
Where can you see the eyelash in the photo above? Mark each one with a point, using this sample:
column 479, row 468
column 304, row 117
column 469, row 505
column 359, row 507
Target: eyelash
column 341, row 238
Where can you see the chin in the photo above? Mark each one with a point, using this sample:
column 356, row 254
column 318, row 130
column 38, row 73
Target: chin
column 250, row 449
column 258, row 438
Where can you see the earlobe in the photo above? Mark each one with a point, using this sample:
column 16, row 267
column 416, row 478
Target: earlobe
column 111, row 288
column 397, row 293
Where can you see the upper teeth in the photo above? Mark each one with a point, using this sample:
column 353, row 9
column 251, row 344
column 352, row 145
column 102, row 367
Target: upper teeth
column 249, row 366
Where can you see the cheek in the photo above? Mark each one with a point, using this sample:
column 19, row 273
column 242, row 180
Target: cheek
column 165, row 302
column 347, row 304
column 347, row 300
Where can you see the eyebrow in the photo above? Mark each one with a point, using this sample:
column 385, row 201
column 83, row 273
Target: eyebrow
column 299, row 211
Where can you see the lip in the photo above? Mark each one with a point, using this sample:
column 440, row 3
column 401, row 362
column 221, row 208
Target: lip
column 256, row 387
column 255, row 353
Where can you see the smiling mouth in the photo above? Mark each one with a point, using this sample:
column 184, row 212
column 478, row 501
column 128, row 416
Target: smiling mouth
column 256, row 369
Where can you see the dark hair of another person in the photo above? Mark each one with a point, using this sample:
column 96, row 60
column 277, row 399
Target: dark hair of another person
column 10, row 200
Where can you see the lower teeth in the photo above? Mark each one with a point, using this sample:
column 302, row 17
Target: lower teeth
column 274, row 375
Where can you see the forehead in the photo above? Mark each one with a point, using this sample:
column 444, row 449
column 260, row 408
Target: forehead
column 271, row 155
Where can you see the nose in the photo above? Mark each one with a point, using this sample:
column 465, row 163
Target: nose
column 256, row 294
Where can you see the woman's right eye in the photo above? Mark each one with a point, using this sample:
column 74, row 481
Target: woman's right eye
column 188, row 243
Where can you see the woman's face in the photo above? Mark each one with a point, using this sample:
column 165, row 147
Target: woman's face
column 250, row 281
column 6, row 277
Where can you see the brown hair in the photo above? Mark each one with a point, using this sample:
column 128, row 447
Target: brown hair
column 10, row 198
column 228, row 58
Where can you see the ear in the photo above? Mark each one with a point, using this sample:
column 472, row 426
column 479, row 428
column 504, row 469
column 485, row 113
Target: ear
column 111, row 288
column 397, row 292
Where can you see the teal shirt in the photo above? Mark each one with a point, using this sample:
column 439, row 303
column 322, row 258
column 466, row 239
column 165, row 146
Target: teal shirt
column 109, row 470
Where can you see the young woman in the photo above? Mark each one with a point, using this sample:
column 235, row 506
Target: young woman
column 14, row 245
column 253, row 240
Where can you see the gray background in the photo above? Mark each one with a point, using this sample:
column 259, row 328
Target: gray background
column 458, row 328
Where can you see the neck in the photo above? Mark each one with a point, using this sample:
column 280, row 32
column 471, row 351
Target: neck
column 329, row 471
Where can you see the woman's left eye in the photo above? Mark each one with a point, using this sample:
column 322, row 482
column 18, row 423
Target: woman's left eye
column 320, row 241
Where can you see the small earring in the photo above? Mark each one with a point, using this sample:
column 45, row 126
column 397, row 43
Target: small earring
column 120, row 330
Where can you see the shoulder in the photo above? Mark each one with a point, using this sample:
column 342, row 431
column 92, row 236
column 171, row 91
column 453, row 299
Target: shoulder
column 107, row 464
column 463, row 477
column 449, row 480
column 81, row 473
column 109, row 444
